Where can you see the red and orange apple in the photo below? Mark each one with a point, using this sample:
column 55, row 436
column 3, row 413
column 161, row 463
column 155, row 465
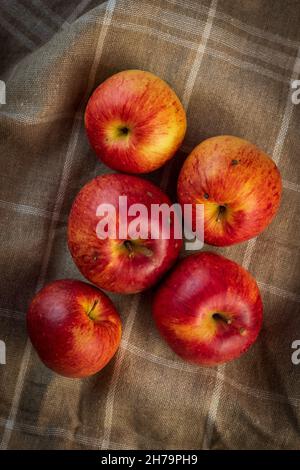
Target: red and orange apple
column 209, row 309
column 74, row 327
column 120, row 263
column 239, row 185
column 134, row 121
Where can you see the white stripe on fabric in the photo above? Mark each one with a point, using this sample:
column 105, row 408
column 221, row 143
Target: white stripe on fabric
column 236, row 23
column 220, row 35
column 209, row 50
column 53, row 431
column 209, row 372
column 28, row 210
column 76, row 12
column 189, row 86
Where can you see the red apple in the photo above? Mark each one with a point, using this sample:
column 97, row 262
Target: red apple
column 74, row 328
column 135, row 122
column 239, row 185
column 120, row 264
column 209, row 309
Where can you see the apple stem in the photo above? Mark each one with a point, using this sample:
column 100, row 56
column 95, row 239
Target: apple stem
column 89, row 314
column 220, row 317
column 128, row 246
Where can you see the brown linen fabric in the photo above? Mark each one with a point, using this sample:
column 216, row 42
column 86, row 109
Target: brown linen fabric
column 231, row 63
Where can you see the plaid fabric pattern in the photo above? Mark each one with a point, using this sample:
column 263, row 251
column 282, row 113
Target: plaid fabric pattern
column 231, row 63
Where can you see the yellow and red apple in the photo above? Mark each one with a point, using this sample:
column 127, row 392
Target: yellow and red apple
column 74, row 327
column 120, row 263
column 209, row 309
column 239, row 185
column 135, row 121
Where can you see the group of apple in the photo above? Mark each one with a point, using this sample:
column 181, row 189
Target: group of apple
column 208, row 309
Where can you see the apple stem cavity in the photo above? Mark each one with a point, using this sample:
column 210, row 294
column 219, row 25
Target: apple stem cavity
column 122, row 131
column 90, row 312
column 221, row 317
column 128, row 245
column 221, row 212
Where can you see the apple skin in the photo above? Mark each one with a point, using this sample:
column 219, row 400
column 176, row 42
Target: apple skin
column 239, row 185
column 134, row 121
column 108, row 263
column 200, row 286
column 74, row 328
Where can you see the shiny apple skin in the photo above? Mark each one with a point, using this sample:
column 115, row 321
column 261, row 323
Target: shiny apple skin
column 66, row 338
column 105, row 262
column 230, row 172
column 200, row 286
column 147, row 108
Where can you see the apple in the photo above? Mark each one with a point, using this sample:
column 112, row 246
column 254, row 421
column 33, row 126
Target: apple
column 239, row 185
column 134, row 121
column 120, row 263
column 209, row 309
column 74, row 327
